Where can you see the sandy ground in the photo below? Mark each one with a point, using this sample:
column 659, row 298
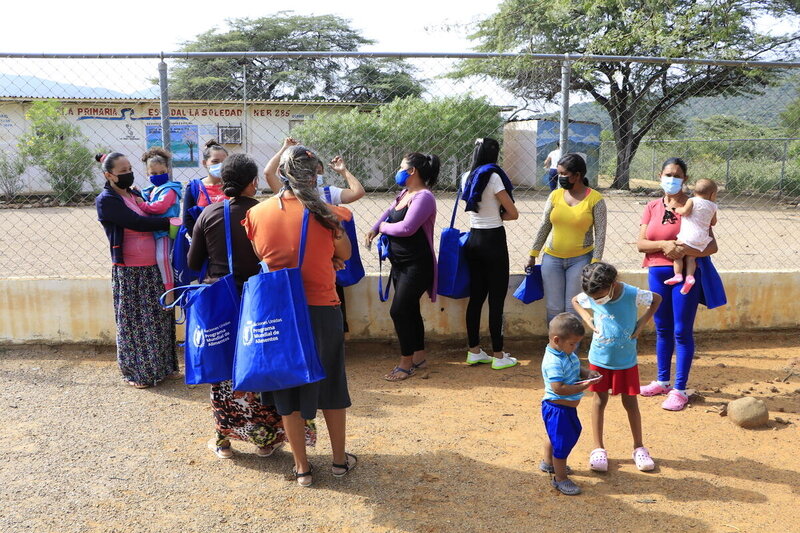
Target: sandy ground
column 753, row 233
column 455, row 451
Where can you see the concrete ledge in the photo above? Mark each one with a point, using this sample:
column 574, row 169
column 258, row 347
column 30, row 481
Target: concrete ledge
column 80, row 310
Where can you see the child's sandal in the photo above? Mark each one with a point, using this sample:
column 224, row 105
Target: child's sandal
column 350, row 461
column 598, row 460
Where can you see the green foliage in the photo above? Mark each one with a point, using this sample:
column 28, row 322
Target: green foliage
column 11, row 169
column 729, row 127
column 375, row 142
column 58, row 147
column 790, row 118
column 635, row 95
column 289, row 77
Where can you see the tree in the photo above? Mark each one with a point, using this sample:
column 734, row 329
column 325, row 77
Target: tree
column 11, row 169
column 634, row 94
column 285, row 78
column 58, row 147
column 375, row 142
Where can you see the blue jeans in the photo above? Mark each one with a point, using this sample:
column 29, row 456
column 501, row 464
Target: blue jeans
column 674, row 324
column 551, row 178
column 562, row 281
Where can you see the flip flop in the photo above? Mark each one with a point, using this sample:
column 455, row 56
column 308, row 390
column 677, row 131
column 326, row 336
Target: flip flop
column 422, row 364
column 399, row 374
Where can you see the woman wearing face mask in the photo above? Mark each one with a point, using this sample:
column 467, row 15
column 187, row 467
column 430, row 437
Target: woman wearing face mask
column 675, row 317
column 572, row 235
column 409, row 225
column 145, row 332
column 238, row 415
column 331, row 194
column 200, row 193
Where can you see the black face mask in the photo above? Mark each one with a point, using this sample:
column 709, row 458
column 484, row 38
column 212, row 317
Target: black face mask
column 124, row 181
column 565, row 183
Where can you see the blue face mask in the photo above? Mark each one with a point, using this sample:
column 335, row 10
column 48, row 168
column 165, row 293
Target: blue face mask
column 159, row 179
column 320, row 180
column 671, row 185
column 215, row 170
column 401, row 177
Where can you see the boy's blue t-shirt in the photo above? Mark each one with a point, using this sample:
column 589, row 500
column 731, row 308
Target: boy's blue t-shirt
column 613, row 347
column 559, row 366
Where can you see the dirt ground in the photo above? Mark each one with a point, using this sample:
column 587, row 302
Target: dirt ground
column 753, row 233
column 456, row 450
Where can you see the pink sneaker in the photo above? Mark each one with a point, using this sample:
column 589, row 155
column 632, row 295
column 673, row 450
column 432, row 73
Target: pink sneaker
column 654, row 389
column 643, row 460
column 675, row 401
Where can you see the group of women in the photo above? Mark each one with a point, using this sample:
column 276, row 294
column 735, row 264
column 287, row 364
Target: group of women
column 572, row 234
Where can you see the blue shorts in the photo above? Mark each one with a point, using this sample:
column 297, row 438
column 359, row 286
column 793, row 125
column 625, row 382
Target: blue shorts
column 562, row 426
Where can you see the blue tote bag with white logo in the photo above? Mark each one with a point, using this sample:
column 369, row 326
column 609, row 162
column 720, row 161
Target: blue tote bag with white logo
column 212, row 320
column 275, row 346
column 532, row 287
column 453, row 267
column 353, row 270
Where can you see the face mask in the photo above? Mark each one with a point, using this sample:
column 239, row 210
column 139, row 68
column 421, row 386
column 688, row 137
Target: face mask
column 124, row 181
column 605, row 299
column 159, row 179
column 215, row 170
column 320, row 180
column 401, row 177
column 671, row 185
column 565, row 183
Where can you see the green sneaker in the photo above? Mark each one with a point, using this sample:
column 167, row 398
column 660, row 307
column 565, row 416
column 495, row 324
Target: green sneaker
column 477, row 358
column 506, row 362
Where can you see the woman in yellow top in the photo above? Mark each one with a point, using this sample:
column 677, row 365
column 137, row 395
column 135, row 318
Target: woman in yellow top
column 572, row 234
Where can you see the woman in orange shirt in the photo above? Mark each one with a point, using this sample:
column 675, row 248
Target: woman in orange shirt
column 274, row 227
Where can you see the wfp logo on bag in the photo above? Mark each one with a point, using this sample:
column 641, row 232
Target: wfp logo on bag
column 199, row 337
column 261, row 332
column 247, row 333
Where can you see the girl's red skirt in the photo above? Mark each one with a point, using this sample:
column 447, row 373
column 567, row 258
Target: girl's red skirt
column 617, row 381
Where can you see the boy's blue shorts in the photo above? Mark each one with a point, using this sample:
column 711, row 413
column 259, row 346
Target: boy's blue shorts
column 562, row 426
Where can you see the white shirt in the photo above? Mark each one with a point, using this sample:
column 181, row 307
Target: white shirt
column 554, row 156
column 336, row 194
column 488, row 215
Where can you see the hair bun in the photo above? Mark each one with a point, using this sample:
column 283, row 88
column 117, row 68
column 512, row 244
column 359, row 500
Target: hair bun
column 100, row 157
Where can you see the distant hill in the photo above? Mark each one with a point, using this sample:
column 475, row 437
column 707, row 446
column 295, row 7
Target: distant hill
column 12, row 85
column 763, row 109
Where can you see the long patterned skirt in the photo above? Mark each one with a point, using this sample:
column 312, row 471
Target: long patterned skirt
column 145, row 332
column 242, row 416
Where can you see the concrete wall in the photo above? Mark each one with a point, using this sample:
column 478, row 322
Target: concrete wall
column 80, row 310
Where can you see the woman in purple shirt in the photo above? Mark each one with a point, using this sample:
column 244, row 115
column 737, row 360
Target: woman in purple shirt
column 409, row 225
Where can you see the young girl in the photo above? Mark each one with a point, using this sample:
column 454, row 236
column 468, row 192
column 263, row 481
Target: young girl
column 699, row 214
column 614, row 307
column 162, row 198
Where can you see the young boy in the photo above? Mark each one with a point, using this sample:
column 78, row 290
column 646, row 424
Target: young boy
column 561, row 370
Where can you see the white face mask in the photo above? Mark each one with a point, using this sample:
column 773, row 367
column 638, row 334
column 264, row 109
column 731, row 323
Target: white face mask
column 320, row 180
column 605, row 299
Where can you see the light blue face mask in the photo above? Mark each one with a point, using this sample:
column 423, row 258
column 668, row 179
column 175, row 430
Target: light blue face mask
column 401, row 177
column 320, row 180
column 671, row 184
column 215, row 170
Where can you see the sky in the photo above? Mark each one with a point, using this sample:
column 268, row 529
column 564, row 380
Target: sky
column 149, row 26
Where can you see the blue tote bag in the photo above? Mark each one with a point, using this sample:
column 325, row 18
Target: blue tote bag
column 353, row 271
column 383, row 255
column 275, row 346
column 453, row 267
column 212, row 321
column 180, row 249
column 532, row 287
column 713, row 292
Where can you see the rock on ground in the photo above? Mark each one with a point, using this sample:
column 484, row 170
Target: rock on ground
column 748, row 412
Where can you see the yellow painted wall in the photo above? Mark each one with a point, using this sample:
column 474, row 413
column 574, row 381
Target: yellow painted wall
column 80, row 310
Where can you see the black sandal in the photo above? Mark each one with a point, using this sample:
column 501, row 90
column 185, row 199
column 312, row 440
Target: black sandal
column 347, row 466
column 298, row 475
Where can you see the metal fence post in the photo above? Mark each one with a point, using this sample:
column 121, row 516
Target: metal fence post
column 728, row 165
column 565, row 81
column 244, row 107
column 163, row 84
column 783, row 167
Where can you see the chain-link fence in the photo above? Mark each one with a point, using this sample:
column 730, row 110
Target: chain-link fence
column 738, row 123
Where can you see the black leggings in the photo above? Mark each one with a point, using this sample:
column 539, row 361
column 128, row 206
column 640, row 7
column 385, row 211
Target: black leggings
column 410, row 280
column 486, row 251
